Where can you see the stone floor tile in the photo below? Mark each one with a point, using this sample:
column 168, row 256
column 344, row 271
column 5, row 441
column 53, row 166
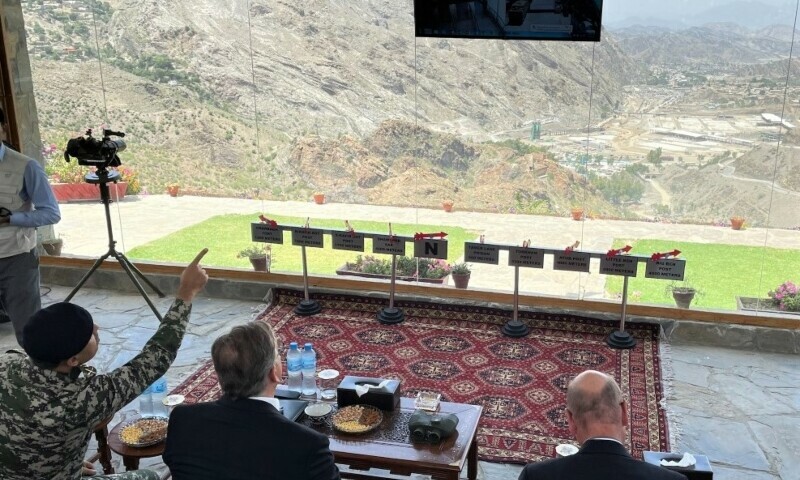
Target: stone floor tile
column 723, row 442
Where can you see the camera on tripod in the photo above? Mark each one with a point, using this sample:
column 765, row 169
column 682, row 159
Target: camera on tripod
column 96, row 153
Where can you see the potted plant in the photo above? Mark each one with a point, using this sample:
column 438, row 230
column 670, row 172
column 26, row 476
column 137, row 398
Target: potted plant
column 786, row 297
column 173, row 189
column 577, row 213
column 260, row 257
column 447, row 205
column 460, row 273
column 683, row 293
column 319, row 198
column 53, row 246
column 737, row 222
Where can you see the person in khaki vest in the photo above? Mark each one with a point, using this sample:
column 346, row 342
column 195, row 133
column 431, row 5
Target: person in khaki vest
column 26, row 202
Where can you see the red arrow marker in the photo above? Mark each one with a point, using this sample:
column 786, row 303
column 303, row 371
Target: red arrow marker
column 618, row 251
column 658, row 256
column 572, row 247
column 271, row 223
column 422, row 236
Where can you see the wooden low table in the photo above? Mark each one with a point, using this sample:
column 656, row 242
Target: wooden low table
column 379, row 450
column 132, row 455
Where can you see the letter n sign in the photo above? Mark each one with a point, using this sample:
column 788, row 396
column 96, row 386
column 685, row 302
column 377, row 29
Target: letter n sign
column 430, row 248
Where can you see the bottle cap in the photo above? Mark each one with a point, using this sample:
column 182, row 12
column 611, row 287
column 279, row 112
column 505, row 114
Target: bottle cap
column 308, row 346
column 293, row 345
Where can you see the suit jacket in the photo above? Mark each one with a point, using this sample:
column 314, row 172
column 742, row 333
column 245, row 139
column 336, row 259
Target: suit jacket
column 597, row 460
column 242, row 440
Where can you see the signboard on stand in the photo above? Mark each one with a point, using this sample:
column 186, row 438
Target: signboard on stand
column 348, row 241
column 388, row 244
column 526, row 257
column 307, row 237
column 430, row 248
column 571, row 261
column 666, row 269
column 262, row 232
column 481, row 253
column 619, row 265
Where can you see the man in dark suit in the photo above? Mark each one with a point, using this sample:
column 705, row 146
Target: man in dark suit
column 597, row 416
column 244, row 435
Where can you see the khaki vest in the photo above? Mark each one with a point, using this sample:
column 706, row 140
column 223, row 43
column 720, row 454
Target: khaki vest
column 14, row 240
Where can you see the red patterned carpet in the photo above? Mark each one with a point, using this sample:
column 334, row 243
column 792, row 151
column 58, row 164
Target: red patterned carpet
column 460, row 352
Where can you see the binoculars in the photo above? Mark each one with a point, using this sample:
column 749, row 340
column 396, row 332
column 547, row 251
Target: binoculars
column 431, row 428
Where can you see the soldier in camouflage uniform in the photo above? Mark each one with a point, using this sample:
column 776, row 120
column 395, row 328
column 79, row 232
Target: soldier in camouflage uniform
column 50, row 406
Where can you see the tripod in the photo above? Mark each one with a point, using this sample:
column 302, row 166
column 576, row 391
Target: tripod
column 102, row 178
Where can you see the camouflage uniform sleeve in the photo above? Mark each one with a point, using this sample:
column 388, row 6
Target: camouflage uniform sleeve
column 110, row 392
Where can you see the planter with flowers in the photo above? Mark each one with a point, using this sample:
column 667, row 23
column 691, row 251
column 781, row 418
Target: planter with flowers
column 784, row 299
column 368, row 266
column 260, row 257
column 737, row 222
column 68, row 182
column 460, row 273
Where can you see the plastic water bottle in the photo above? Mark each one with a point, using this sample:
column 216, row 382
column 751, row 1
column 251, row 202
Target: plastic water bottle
column 294, row 367
column 309, row 358
column 146, row 403
column 158, row 390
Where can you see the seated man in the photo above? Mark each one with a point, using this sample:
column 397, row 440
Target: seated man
column 597, row 416
column 244, row 435
column 49, row 405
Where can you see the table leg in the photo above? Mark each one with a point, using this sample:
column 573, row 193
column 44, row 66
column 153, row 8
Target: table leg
column 472, row 460
column 131, row 463
column 104, row 451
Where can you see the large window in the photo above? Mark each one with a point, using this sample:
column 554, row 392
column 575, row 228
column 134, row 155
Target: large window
column 678, row 124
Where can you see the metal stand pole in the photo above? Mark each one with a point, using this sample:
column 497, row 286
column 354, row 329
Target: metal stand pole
column 307, row 306
column 621, row 339
column 130, row 269
column 514, row 327
column 391, row 314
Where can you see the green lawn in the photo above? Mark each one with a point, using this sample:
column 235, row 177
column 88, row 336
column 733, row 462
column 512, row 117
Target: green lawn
column 226, row 235
column 719, row 272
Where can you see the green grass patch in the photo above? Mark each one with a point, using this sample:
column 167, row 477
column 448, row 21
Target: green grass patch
column 718, row 272
column 226, row 235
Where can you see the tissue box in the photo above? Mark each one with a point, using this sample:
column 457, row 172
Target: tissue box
column 700, row 471
column 386, row 398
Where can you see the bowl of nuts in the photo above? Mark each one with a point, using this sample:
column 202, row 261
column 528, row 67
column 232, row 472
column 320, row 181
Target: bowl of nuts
column 144, row 432
column 357, row 419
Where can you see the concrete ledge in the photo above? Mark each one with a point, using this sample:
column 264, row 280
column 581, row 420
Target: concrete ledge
column 679, row 331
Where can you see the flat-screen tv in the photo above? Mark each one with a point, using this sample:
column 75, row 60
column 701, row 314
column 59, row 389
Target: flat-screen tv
column 571, row 20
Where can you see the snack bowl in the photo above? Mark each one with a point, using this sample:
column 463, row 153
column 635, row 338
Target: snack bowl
column 143, row 432
column 317, row 412
column 357, row 419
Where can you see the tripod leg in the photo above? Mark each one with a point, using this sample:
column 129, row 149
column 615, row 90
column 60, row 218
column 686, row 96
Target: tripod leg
column 122, row 258
column 126, row 265
column 86, row 277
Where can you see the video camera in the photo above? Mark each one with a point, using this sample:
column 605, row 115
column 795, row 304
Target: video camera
column 96, row 153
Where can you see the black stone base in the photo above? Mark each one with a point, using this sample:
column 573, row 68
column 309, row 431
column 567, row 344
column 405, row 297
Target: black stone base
column 515, row 329
column 620, row 340
column 307, row 308
column 391, row 315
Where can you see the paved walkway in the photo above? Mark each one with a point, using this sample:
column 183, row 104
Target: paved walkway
column 151, row 217
column 739, row 408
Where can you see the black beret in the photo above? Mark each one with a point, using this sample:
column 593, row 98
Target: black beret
column 57, row 332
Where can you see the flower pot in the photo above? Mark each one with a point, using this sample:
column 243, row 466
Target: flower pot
column 447, row 206
column 319, row 198
column 460, row 281
column 53, row 248
column 736, row 223
column 577, row 214
column 173, row 190
column 260, row 264
column 683, row 297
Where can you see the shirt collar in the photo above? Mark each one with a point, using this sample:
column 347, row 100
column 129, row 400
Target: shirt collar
column 272, row 401
column 604, row 438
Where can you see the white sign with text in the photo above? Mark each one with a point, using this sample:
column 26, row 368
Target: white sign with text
column 666, row 269
column 263, row 232
column 307, row 237
column 620, row 265
column 352, row 241
column 481, row 253
column 388, row 244
column 571, row 261
column 526, row 257
column 430, row 248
